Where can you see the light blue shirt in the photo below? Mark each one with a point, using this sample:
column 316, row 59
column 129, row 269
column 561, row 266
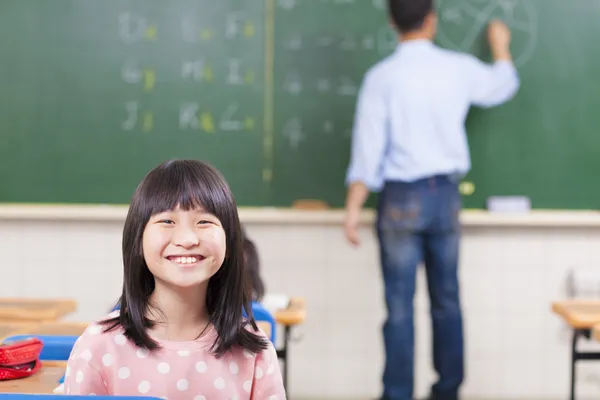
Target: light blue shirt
column 410, row 116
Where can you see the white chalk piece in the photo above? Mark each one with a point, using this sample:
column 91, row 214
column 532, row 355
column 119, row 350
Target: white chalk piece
column 508, row 204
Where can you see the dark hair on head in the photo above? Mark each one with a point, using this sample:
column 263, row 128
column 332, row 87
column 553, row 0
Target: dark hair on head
column 188, row 184
column 409, row 15
column 252, row 260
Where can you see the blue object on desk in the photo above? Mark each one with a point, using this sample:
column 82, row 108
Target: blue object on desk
column 56, row 348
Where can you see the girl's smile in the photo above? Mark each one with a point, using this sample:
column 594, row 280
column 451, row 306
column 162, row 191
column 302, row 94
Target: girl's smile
column 189, row 260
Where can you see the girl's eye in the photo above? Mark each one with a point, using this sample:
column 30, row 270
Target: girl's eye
column 202, row 222
column 166, row 221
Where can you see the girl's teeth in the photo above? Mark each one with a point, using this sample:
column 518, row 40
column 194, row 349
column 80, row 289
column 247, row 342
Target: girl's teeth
column 186, row 260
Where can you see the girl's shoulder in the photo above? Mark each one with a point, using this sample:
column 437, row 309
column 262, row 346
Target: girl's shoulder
column 99, row 335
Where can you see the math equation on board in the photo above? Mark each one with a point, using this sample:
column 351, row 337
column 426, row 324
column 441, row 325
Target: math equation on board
column 196, row 70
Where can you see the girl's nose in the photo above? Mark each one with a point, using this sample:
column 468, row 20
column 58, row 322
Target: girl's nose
column 185, row 237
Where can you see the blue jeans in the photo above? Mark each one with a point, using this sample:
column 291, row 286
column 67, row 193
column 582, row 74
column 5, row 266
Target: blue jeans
column 419, row 222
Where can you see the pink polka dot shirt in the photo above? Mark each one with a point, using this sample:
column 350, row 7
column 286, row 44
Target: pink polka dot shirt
column 106, row 363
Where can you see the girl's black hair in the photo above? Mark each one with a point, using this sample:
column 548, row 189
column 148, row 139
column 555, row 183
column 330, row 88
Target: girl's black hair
column 187, row 184
column 253, row 266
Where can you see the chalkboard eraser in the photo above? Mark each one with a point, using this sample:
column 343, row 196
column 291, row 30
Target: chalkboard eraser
column 310, row 204
column 508, row 204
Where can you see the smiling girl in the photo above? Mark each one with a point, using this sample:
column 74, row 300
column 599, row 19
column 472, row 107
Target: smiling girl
column 180, row 333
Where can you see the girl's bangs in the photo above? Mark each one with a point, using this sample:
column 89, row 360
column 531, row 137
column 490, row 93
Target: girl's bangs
column 184, row 186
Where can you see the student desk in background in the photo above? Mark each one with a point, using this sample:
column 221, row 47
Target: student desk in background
column 293, row 315
column 583, row 316
column 35, row 310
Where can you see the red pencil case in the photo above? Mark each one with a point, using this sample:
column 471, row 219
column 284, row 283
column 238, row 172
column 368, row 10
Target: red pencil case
column 20, row 359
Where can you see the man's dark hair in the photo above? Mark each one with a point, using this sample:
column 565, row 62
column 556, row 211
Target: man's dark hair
column 409, row 15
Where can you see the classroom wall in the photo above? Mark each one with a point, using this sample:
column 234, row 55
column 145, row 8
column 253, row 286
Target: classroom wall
column 516, row 348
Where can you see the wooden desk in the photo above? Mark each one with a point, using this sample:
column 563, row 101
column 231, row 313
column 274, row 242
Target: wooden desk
column 596, row 332
column 293, row 315
column 15, row 328
column 44, row 381
column 46, row 328
column 582, row 316
column 35, row 310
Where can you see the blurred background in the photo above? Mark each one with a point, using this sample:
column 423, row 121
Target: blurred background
column 93, row 94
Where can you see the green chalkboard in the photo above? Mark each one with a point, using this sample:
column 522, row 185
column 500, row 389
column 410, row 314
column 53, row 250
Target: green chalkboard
column 95, row 93
column 543, row 144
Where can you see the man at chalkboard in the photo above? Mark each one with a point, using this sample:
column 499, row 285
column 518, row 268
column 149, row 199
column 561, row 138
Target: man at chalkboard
column 409, row 144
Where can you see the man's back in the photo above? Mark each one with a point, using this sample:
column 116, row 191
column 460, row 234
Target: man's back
column 418, row 98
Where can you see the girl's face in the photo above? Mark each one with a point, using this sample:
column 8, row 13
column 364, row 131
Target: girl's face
column 184, row 248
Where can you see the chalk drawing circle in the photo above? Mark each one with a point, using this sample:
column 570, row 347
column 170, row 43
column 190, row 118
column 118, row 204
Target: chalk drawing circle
column 477, row 14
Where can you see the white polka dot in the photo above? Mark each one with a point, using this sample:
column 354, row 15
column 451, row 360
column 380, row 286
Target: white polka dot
column 247, row 354
column 94, row 329
column 163, row 368
column 68, row 371
column 258, row 373
column 233, row 367
column 271, row 369
column 183, row 353
column 219, row 383
column 124, row 373
column 142, row 353
column 247, row 386
column 107, row 360
column 199, row 397
column 120, row 339
column 86, row 355
column 235, row 397
column 273, row 397
column 79, row 377
column 144, row 387
column 183, row 385
column 201, row 366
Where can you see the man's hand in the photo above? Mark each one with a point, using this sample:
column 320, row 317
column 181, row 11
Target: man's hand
column 499, row 38
column 356, row 197
column 351, row 223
